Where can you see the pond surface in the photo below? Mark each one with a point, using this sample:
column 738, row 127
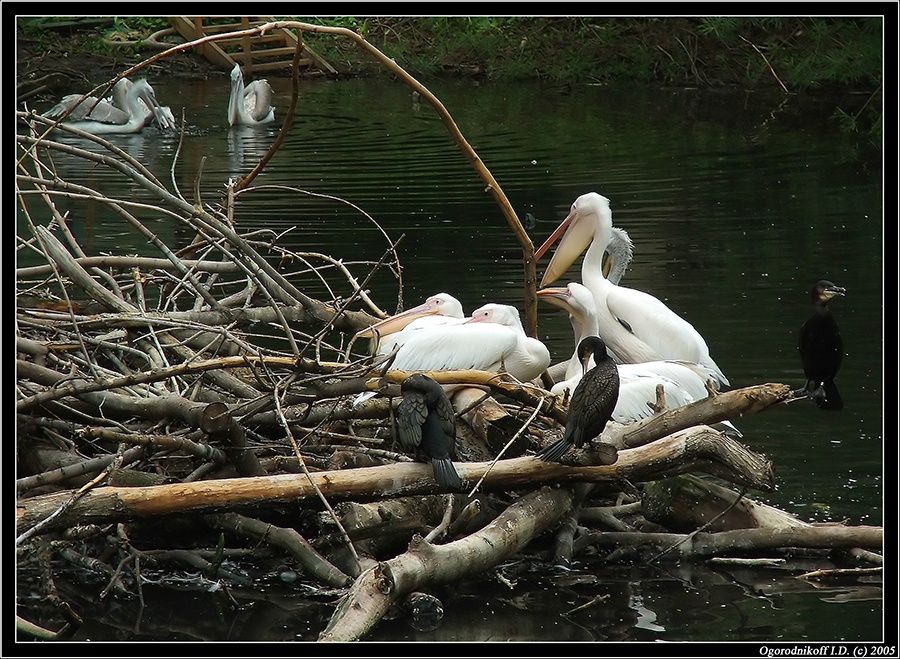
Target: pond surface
column 736, row 203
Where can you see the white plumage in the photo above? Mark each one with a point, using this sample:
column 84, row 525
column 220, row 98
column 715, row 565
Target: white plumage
column 635, row 326
column 131, row 106
column 249, row 105
column 683, row 382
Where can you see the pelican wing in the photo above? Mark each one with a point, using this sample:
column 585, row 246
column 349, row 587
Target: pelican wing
column 395, row 339
column 91, row 108
column 481, row 346
column 258, row 101
column 665, row 333
column 637, row 397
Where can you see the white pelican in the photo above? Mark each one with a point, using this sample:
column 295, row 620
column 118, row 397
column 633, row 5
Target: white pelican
column 131, row 106
column 522, row 356
column 250, row 105
column 438, row 309
column 635, row 326
column 683, row 382
column 491, row 340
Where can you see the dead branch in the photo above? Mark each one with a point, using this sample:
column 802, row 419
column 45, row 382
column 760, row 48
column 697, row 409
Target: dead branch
column 701, row 545
column 698, row 448
column 376, row 589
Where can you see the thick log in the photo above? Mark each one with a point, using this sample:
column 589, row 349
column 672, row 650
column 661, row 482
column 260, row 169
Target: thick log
column 697, row 448
column 490, row 421
column 720, row 407
column 701, row 545
column 376, row 589
column 685, row 503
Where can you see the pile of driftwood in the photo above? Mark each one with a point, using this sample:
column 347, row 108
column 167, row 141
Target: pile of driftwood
column 203, row 383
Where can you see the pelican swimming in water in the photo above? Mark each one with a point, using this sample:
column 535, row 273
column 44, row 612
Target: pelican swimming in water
column 822, row 349
column 131, row 106
column 250, row 105
column 635, row 326
column 425, row 424
column 683, row 382
column 437, row 309
column 593, row 400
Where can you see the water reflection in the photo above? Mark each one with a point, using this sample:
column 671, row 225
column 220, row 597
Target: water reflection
column 246, row 147
column 736, row 204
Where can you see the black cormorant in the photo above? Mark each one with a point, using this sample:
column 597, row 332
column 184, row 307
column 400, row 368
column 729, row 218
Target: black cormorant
column 593, row 400
column 822, row 349
column 425, row 422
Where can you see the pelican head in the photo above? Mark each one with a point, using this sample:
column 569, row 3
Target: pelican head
column 499, row 314
column 589, row 222
column 142, row 90
column 440, row 304
column 618, row 255
column 575, row 298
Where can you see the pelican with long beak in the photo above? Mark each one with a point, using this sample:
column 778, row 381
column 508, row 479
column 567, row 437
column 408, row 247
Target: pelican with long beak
column 683, row 382
column 438, row 309
column 493, row 339
column 635, row 326
column 131, row 107
column 249, row 105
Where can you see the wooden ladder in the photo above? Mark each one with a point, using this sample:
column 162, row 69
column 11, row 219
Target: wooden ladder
column 270, row 51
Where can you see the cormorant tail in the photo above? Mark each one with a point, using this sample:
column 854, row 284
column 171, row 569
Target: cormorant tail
column 832, row 399
column 445, row 473
column 555, row 451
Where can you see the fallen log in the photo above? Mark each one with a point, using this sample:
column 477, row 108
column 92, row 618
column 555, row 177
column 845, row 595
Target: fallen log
column 697, row 448
column 376, row 589
column 701, row 545
column 724, row 406
column 685, row 503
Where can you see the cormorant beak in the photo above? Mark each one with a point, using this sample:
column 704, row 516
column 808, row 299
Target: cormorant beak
column 833, row 291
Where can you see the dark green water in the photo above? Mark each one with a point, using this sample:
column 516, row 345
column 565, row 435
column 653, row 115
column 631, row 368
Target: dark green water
column 736, row 204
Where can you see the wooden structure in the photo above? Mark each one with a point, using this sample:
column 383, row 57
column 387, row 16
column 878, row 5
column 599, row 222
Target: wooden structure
column 257, row 53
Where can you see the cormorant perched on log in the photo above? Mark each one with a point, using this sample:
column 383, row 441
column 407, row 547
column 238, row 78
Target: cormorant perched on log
column 822, row 349
column 425, row 422
column 593, row 400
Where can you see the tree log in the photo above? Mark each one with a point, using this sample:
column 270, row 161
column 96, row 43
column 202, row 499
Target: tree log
column 685, row 503
column 721, row 407
column 493, row 424
column 696, row 448
column 701, row 545
column 376, row 589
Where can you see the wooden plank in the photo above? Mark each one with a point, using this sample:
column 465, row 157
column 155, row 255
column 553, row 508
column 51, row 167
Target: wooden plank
column 247, row 48
column 269, row 37
column 274, row 66
column 270, row 52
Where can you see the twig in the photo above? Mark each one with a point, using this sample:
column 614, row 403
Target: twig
column 512, row 439
column 337, row 521
column 766, row 60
